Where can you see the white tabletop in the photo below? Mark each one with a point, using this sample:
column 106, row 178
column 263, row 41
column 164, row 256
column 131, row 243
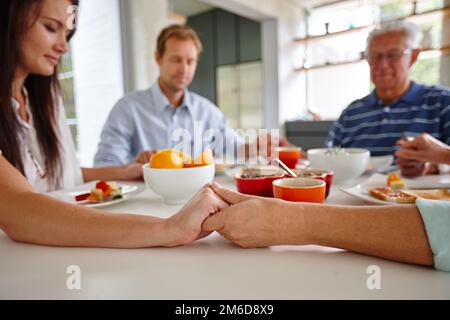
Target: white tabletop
column 211, row 268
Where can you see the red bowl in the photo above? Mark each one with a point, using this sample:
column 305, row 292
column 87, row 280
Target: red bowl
column 261, row 186
column 324, row 175
column 289, row 156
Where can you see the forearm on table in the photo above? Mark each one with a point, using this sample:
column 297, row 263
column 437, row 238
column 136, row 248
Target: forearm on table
column 395, row 232
column 446, row 157
column 104, row 173
column 45, row 221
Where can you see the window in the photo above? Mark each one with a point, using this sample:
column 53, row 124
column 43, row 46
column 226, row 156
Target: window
column 337, row 36
column 91, row 74
column 66, row 81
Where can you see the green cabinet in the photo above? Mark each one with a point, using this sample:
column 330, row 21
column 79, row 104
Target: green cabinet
column 226, row 35
column 204, row 81
column 249, row 41
column 228, row 40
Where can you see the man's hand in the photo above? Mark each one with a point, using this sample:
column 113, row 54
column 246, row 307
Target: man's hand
column 255, row 222
column 416, row 155
column 267, row 144
column 422, row 148
column 144, row 157
column 412, row 168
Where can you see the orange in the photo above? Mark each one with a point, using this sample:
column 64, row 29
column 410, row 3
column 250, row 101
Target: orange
column 167, row 159
column 186, row 158
column 205, row 159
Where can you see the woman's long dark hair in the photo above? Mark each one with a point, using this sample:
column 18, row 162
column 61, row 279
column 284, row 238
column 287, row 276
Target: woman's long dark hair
column 43, row 92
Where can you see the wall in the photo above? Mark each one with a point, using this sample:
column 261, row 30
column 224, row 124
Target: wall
column 97, row 67
column 281, row 23
column 291, row 84
column 332, row 89
column 252, row 9
column 142, row 20
column 227, row 39
column 445, row 61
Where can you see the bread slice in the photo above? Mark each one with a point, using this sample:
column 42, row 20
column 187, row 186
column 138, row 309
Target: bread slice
column 390, row 195
column 431, row 194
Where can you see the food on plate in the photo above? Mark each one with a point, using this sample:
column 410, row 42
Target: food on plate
column 391, row 195
column 431, row 194
column 409, row 196
column 103, row 191
column 395, row 192
column 395, row 181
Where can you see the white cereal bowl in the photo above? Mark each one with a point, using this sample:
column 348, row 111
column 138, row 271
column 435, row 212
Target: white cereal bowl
column 177, row 186
column 349, row 165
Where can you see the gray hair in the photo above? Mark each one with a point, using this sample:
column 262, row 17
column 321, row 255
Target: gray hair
column 410, row 30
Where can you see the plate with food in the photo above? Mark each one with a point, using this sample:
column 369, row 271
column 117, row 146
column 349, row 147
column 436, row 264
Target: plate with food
column 101, row 194
column 393, row 189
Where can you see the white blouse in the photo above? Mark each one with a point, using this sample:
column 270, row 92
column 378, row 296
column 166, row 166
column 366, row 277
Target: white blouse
column 33, row 159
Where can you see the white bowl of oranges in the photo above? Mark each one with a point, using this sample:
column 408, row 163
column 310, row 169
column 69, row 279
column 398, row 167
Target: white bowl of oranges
column 175, row 177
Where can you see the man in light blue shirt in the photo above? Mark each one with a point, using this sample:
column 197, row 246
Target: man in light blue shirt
column 145, row 120
column 156, row 119
column 168, row 115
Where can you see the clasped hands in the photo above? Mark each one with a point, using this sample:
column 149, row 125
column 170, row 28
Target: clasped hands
column 247, row 221
column 420, row 155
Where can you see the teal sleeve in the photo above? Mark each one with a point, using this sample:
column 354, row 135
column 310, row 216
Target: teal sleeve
column 436, row 217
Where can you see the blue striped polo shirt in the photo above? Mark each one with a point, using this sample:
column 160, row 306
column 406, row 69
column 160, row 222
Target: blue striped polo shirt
column 371, row 124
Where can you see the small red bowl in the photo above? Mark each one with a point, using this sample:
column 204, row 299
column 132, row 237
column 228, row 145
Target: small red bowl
column 258, row 186
column 289, row 155
column 324, row 175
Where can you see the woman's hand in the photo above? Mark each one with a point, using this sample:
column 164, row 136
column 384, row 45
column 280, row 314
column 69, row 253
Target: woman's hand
column 186, row 226
column 129, row 172
column 133, row 171
column 256, row 222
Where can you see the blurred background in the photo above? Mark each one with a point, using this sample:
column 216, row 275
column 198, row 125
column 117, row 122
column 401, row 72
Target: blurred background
column 289, row 64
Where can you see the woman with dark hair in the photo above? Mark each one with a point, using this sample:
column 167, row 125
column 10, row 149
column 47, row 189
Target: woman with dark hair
column 34, row 136
column 37, row 153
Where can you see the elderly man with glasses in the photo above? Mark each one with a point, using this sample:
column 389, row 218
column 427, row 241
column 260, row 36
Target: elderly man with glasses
column 398, row 107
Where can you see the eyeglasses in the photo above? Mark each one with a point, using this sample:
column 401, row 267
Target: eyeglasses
column 391, row 56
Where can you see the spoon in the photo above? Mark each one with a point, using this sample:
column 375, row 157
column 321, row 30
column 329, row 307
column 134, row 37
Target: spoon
column 285, row 168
